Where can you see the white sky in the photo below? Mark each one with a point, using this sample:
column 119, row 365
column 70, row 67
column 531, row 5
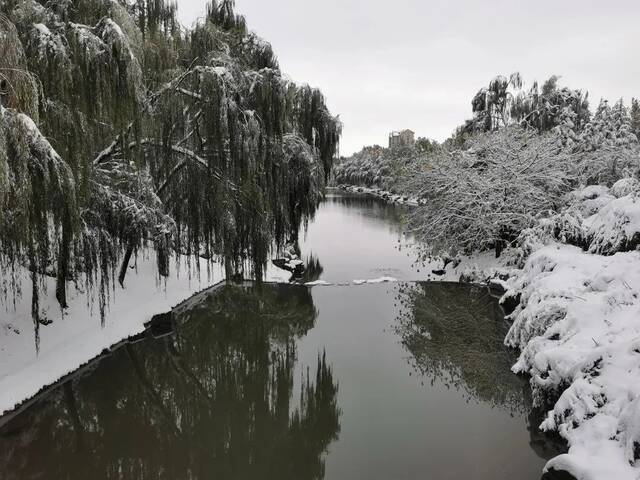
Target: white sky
column 392, row 64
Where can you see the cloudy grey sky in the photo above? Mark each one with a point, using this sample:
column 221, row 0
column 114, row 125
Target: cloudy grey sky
column 392, row 64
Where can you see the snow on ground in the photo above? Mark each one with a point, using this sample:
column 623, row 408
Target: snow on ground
column 318, row 283
column 76, row 337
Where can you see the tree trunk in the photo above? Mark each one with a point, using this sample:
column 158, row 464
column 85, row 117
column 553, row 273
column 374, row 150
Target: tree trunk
column 125, row 264
column 163, row 262
column 63, row 264
column 35, row 300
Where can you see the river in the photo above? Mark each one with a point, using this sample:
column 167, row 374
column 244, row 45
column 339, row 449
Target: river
column 399, row 380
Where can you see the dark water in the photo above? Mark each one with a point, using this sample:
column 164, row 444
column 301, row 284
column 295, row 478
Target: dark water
column 387, row 381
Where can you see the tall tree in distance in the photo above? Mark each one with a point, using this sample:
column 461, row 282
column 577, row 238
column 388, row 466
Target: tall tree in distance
column 492, row 105
column 609, row 127
column 506, row 102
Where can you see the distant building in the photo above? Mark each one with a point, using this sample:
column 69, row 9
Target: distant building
column 405, row 138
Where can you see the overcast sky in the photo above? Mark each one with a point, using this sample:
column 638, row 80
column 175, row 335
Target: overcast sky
column 393, row 64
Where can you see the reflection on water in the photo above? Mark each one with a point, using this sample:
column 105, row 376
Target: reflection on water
column 359, row 237
column 313, row 269
column 454, row 333
column 242, row 382
column 371, row 207
column 213, row 399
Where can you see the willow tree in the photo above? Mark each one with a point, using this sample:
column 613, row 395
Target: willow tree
column 37, row 188
column 491, row 105
column 551, row 106
column 505, row 101
column 188, row 142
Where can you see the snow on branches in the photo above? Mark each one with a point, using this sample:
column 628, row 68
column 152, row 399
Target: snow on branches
column 483, row 197
column 191, row 143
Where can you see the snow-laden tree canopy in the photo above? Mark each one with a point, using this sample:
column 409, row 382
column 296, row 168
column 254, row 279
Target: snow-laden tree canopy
column 120, row 129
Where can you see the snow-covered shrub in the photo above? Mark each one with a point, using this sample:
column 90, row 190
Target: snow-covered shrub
column 577, row 327
column 616, row 227
column 595, row 219
column 625, row 186
column 480, row 198
column 589, row 200
column 565, row 227
column 606, row 165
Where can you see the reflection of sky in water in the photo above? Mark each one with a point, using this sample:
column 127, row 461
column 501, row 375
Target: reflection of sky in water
column 358, row 237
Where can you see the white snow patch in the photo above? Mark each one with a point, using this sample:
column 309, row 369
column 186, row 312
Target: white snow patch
column 318, row 283
column 43, row 29
column 383, row 280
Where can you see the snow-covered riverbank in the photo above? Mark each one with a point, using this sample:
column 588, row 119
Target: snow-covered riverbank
column 578, row 328
column 380, row 193
column 75, row 337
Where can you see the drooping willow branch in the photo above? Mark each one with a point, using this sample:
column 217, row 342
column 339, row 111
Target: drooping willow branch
column 212, row 152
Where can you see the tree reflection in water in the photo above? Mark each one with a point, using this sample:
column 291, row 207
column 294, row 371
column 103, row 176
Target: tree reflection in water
column 455, row 335
column 211, row 399
column 374, row 208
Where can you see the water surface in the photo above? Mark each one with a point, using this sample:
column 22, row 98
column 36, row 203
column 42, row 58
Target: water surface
column 390, row 381
column 357, row 237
